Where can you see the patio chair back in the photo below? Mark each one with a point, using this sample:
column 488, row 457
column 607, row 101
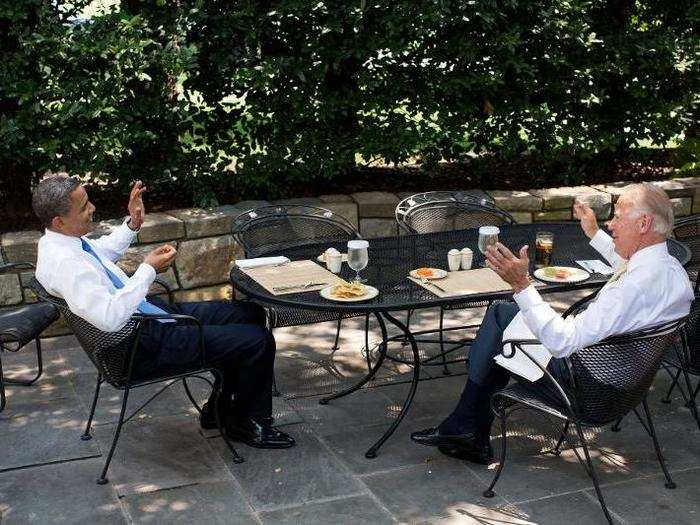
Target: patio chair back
column 269, row 229
column 108, row 351
column 687, row 230
column 613, row 376
column 437, row 211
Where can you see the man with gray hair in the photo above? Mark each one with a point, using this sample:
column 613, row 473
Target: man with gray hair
column 83, row 272
column 649, row 287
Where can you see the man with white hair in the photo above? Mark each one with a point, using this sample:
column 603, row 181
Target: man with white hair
column 649, row 287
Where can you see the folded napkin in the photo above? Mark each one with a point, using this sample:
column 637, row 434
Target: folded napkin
column 521, row 364
column 261, row 261
column 596, row 266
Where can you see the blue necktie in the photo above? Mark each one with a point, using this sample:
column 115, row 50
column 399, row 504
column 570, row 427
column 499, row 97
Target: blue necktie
column 144, row 306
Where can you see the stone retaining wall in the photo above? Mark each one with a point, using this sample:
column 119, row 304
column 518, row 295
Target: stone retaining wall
column 206, row 247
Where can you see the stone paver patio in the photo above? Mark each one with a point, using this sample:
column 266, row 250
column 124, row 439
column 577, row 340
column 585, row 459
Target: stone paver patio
column 166, row 470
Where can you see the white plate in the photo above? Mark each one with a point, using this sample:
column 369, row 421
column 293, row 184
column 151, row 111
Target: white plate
column 372, row 292
column 322, row 258
column 437, row 274
column 575, row 275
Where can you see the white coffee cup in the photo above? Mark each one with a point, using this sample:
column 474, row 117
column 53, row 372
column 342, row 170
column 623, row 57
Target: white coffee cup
column 466, row 256
column 454, row 259
column 334, row 261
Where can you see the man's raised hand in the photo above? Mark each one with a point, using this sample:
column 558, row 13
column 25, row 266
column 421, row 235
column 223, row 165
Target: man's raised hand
column 585, row 214
column 510, row 268
column 137, row 211
column 161, row 258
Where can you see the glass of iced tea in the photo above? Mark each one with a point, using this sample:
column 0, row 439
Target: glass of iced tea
column 544, row 245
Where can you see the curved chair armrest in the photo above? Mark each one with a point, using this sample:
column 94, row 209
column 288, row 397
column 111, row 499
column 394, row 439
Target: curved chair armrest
column 518, row 344
column 165, row 287
column 6, row 267
column 574, row 308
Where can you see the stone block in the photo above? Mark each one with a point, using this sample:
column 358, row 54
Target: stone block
column 682, row 206
column 203, row 222
column 221, row 292
column 615, row 189
column 58, row 327
column 104, row 228
column 201, row 262
column 516, row 200
column 347, row 210
column 373, row 228
column 675, row 188
column 29, row 296
column 21, row 246
column 522, row 217
column 299, row 201
column 559, row 215
column 10, row 290
column 135, row 255
column 375, row 203
column 161, row 227
column 563, row 198
column 336, row 197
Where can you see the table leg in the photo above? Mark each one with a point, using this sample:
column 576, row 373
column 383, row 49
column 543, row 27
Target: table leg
column 372, row 452
column 371, row 373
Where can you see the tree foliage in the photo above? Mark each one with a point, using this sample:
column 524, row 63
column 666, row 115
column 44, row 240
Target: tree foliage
column 258, row 92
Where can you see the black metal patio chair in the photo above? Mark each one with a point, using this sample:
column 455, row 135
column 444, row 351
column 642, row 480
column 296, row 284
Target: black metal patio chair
column 683, row 359
column 687, row 230
column 267, row 230
column 437, row 211
column 607, row 380
column 18, row 327
column 113, row 353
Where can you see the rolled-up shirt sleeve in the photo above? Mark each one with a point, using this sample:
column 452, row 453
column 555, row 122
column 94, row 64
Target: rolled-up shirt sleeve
column 88, row 297
column 603, row 244
column 564, row 336
column 116, row 243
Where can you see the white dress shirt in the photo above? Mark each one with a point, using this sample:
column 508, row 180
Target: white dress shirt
column 69, row 272
column 653, row 289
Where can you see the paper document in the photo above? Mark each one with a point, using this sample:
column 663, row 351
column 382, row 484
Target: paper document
column 596, row 266
column 520, row 364
column 261, row 261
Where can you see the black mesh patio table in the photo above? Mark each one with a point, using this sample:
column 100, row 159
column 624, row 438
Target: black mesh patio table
column 392, row 258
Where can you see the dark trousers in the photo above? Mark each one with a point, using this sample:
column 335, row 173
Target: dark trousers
column 236, row 342
column 473, row 411
column 487, row 345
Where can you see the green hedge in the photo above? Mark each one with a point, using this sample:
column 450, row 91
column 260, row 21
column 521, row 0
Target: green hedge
column 261, row 93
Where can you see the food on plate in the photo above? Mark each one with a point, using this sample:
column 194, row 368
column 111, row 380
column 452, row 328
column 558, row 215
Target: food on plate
column 347, row 290
column 425, row 272
column 557, row 273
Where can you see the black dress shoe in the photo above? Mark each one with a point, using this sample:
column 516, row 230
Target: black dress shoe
column 480, row 454
column 432, row 437
column 258, row 434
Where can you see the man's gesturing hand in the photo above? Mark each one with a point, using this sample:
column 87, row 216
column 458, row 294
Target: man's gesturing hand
column 510, row 268
column 585, row 214
column 136, row 208
column 161, row 258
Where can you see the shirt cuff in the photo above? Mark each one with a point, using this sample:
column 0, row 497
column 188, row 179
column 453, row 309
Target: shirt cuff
column 145, row 272
column 528, row 298
column 601, row 241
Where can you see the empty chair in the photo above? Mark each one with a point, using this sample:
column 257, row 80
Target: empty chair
column 268, row 230
column 687, row 230
column 438, row 211
column 18, row 327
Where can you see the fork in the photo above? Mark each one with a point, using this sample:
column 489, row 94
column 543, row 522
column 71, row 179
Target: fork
column 300, row 286
column 426, row 281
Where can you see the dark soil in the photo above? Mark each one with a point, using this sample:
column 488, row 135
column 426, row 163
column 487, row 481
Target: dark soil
column 488, row 173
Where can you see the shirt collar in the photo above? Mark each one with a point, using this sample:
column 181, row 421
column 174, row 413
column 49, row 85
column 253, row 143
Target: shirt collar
column 655, row 252
column 60, row 238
